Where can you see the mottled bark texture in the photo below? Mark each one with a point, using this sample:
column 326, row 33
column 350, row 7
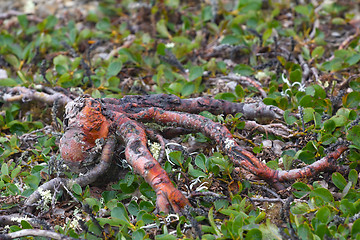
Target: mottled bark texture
column 256, row 110
column 90, row 121
column 97, row 126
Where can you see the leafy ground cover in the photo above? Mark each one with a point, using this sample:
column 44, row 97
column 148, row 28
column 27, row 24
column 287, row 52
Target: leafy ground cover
column 302, row 58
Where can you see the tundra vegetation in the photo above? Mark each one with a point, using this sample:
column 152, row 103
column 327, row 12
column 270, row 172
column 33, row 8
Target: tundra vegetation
column 300, row 61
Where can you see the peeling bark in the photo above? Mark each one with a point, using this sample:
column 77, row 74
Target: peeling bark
column 90, row 122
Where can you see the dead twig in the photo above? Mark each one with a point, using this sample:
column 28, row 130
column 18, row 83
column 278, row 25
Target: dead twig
column 244, row 81
column 26, row 94
column 34, row 233
column 276, row 129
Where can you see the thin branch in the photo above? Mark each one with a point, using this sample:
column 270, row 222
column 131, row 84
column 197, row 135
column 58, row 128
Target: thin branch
column 244, row 81
column 34, row 233
column 25, row 94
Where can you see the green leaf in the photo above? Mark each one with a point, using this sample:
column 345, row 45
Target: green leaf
column 212, row 221
column 62, row 60
column 260, row 217
column 227, row 96
column 339, row 181
column 289, row 119
column 120, row 212
column 302, row 188
column 50, row 22
column 323, row 193
column 355, row 85
column 139, row 234
column 339, row 120
column 200, row 161
column 355, row 230
column 104, row 25
column 188, row 89
column 329, row 126
column 270, row 230
column 147, row 191
column 306, row 101
column 352, row 100
column 267, row 34
column 347, row 207
column 316, row 91
column 146, row 206
column 243, row 70
column 239, row 91
column 23, row 21
column 300, row 208
column 12, row 60
column 353, row 177
column 96, row 94
column 77, row 189
column 15, row 172
column 338, row 21
column 8, row 82
column 304, row 231
column 304, row 9
column 4, row 169
column 195, row 72
column 32, row 180
column 195, row 173
column 353, row 59
column 13, row 189
column 165, row 237
column 318, row 52
column 295, row 76
column 26, row 225
column 162, row 29
column 237, row 224
column 306, row 156
column 129, row 179
column 207, row 13
column 161, row 49
column 114, row 68
column 354, row 135
column 346, row 189
column 254, row 234
column 323, row 214
column 176, row 157
column 230, row 39
column 133, row 208
column 308, row 114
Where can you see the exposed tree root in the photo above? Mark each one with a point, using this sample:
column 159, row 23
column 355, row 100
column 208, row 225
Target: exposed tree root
column 34, row 233
column 91, row 122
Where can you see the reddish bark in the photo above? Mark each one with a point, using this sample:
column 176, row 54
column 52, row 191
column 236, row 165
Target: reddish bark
column 90, row 119
column 86, row 123
column 256, row 110
column 237, row 154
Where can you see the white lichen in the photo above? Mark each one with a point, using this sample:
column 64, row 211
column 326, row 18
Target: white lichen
column 19, row 219
column 285, row 80
column 170, row 45
column 74, row 223
column 172, row 217
column 43, row 203
column 155, row 149
column 229, row 143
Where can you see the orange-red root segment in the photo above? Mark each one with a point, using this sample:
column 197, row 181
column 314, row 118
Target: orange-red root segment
column 326, row 163
column 236, row 153
column 143, row 163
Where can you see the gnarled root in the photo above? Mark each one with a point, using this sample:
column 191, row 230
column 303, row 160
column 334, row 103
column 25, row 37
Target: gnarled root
column 82, row 180
column 255, row 110
column 143, row 163
column 237, row 154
